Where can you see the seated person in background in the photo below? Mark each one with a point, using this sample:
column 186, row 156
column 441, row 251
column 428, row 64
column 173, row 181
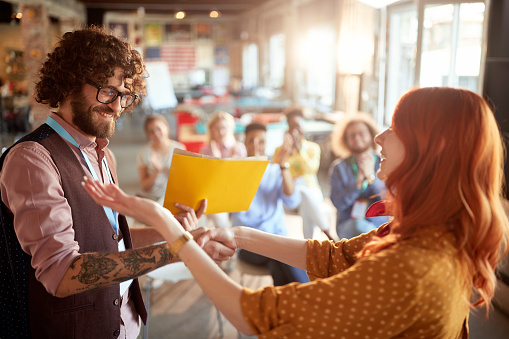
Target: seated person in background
column 221, row 137
column 154, row 159
column 418, row 276
column 222, row 144
column 266, row 212
column 354, row 186
column 303, row 163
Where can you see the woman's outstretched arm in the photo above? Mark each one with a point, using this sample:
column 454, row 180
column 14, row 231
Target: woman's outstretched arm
column 287, row 250
column 222, row 291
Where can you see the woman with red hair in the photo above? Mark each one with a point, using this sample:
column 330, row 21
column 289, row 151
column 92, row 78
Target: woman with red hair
column 413, row 277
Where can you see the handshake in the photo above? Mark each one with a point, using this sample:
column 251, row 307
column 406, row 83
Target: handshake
column 218, row 243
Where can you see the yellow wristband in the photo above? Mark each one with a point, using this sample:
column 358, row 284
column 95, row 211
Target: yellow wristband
column 177, row 245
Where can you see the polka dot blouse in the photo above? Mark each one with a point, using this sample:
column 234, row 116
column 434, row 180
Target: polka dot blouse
column 411, row 290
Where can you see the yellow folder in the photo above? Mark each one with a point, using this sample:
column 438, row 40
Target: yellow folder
column 229, row 185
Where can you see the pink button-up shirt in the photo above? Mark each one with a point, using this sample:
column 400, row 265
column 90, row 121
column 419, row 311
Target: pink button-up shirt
column 31, row 188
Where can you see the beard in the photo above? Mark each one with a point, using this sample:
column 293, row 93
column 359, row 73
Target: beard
column 83, row 117
column 359, row 149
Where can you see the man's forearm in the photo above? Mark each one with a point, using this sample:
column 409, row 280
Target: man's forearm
column 144, row 236
column 288, row 184
column 96, row 270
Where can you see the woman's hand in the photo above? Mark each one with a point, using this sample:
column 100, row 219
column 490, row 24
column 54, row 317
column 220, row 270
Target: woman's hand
column 156, row 161
column 146, row 211
column 112, row 196
column 297, row 134
column 225, row 236
column 218, row 247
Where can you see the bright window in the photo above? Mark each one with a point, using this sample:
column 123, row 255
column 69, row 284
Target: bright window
column 250, row 66
column 451, row 45
column 317, row 60
column 433, row 43
column 277, row 60
column 401, row 55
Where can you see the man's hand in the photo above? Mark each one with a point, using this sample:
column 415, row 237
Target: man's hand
column 366, row 164
column 286, row 149
column 297, row 136
column 218, row 243
column 188, row 218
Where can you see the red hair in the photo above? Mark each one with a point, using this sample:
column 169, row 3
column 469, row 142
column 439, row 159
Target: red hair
column 452, row 175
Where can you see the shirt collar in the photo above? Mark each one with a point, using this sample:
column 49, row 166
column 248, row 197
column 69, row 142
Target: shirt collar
column 82, row 140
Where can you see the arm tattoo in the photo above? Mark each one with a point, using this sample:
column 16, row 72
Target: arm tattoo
column 129, row 265
column 134, row 260
column 94, row 267
column 166, row 256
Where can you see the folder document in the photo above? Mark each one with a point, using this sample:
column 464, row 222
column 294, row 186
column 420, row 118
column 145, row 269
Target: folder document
column 229, row 185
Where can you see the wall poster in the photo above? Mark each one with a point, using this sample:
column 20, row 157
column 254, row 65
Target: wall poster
column 221, row 56
column 153, row 34
column 203, row 31
column 177, row 32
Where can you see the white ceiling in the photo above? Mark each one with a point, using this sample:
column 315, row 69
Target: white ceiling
column 378, row 3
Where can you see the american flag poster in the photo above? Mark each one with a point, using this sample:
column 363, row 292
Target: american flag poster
column 180, row 58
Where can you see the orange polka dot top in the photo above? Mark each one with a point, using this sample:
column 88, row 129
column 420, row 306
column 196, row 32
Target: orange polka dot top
column 411, row 290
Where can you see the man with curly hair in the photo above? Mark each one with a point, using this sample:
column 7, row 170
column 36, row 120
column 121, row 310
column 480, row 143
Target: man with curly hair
column 354, row 185
column 68, row 267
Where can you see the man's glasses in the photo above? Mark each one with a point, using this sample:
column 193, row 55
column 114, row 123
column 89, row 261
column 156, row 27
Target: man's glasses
column 106, row 95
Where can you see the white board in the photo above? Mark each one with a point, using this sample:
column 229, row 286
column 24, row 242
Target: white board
column 160, row 94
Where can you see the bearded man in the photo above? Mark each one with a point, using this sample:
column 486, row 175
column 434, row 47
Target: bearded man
column 69, row 267
column 354, row 185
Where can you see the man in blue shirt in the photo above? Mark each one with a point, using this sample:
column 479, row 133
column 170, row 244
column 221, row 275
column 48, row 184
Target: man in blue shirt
column 266, row 212
column 354, row 185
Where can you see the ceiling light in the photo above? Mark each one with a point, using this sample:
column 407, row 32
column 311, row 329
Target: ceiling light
column 180, row 15
column 214, row 14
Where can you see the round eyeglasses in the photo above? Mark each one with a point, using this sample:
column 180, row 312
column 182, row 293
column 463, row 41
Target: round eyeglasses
column 106, row 95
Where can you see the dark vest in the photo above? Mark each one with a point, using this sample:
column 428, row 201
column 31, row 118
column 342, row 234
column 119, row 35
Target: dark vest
column 26, row 309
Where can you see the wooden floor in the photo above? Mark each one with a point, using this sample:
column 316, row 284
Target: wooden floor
column 181, row 310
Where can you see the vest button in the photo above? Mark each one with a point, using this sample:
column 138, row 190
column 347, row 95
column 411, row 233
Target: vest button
column 115, row 302
column 114, row 236
column 116, row 333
